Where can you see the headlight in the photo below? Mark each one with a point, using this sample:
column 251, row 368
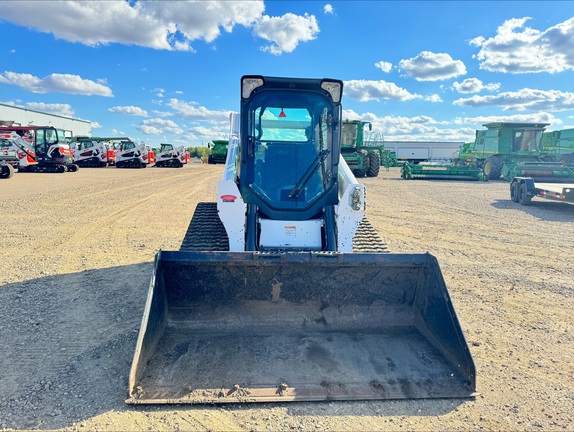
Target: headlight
column 356, row 199
column 334, row 88
column 248, row 85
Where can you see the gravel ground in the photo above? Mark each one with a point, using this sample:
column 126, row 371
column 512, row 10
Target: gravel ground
column 78, row 255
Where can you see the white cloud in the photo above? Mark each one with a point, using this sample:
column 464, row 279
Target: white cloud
column 203, row 19
column 417, row 128
column 538, row 117
column 201, row 132
column 519, row 49
column 165, row 25
column 57, row 109
column 474, row 85
column 130, row 110
column 191, row 111
column 428, row 66
column 158, row 126
column 56, row 83
column 328, row 9
column 158, row 25
column 286, row 32
column 365, row 90
column 149, row 130
column 384, row 66
column 162, row 113
column 434, row 98
column 425, row 128
column 524, row 99
column 95, row 125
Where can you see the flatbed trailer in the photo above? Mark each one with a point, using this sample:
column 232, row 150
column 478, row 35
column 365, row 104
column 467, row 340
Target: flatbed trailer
column 523, row 189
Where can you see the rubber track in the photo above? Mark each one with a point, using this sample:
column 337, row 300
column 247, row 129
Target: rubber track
column 207, row 233
column 367, row 239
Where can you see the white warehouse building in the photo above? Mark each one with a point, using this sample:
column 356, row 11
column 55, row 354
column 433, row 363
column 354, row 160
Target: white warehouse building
column 19, row 116
column 418, row 151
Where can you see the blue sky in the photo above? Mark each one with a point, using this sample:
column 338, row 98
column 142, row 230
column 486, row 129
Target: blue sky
column 169, row 71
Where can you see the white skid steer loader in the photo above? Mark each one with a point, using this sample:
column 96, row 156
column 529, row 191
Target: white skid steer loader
column 271, row 297
column 132, row 155
column 170, row 156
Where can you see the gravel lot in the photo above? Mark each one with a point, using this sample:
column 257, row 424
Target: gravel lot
column 77, row 258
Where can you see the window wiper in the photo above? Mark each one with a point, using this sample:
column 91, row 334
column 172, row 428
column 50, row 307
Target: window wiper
column 298, row 188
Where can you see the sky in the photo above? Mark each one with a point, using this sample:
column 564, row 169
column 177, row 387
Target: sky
column 169, row 71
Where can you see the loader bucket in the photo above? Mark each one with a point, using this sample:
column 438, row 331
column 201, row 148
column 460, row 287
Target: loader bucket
column 224, row 327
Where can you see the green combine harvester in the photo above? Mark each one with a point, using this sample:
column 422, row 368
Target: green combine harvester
column 365, row 156
column 505, row 149
column 218, row 151
column 560, row 143
column 518, row 149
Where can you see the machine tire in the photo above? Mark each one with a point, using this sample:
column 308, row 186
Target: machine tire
column 61, row 169
column 6, row 171
column 210, row 160
column 374, row 163
column 362, row 172
column 523, row 197
column 73, row 168
column 492, row 167
column 514, row 191
column 567, row 159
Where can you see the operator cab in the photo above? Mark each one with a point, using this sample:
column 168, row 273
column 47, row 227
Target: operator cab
column 165, row 147
column 127, row 145
column 289, row 150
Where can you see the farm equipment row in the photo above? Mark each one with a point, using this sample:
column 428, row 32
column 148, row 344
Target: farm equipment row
column 509, row 150
column 47, row 149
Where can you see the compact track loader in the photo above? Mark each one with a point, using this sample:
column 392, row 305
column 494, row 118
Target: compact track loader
column 133, row 155
column 171, row 157
column 281, row 291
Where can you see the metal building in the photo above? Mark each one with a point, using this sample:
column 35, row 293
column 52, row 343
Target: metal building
column 10, row 114
column 418, row 151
